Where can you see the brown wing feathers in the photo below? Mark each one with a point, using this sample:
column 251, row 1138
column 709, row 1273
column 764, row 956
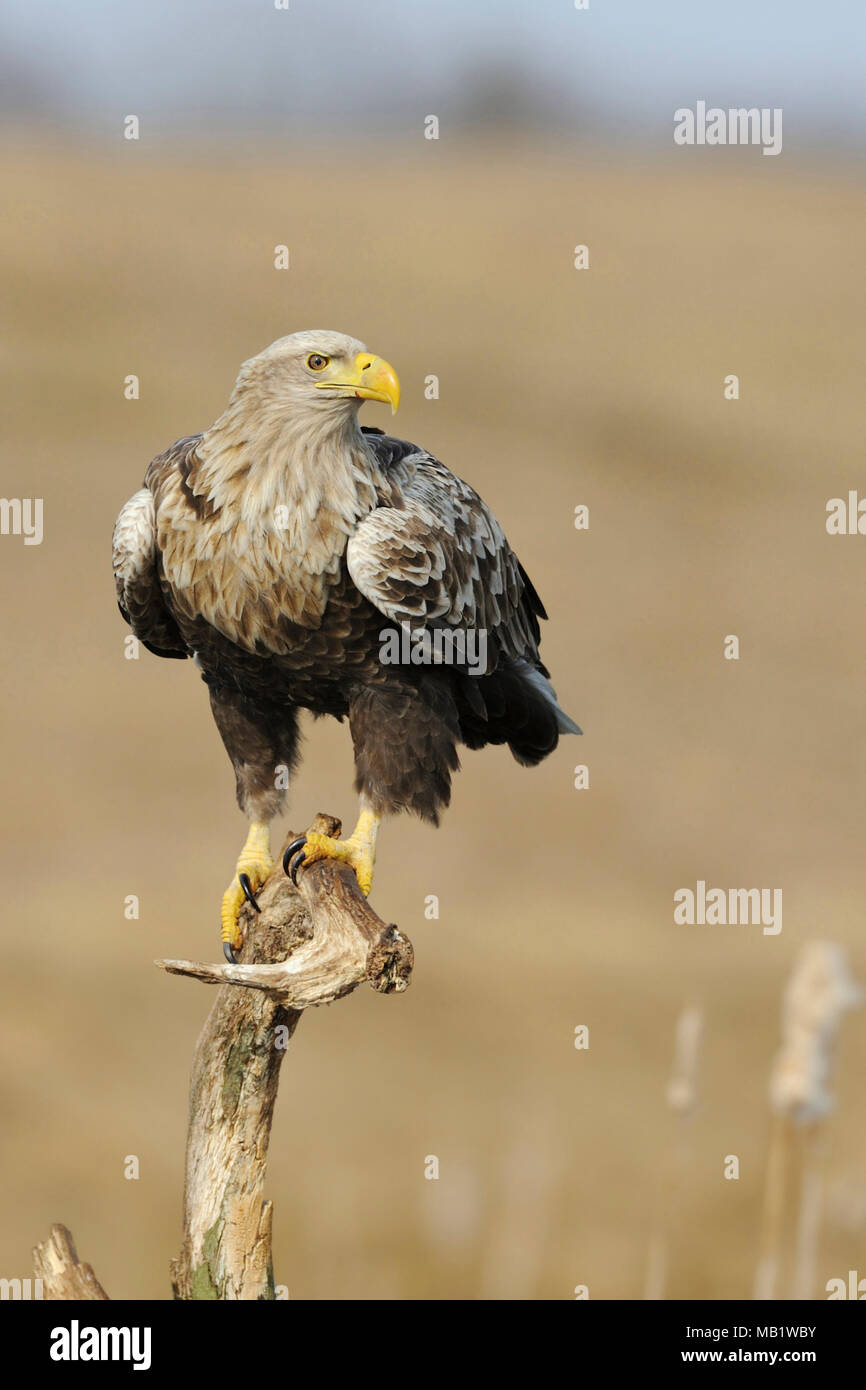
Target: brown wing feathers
column 273, row 631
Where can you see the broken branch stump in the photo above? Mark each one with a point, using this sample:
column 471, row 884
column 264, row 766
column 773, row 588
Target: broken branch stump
column 56, row 1263
column 308, row 945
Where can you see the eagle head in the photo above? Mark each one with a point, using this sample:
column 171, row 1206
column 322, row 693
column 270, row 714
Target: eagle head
column 317, row 371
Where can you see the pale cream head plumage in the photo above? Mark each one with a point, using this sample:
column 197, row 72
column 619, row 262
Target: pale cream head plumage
column 317, row 373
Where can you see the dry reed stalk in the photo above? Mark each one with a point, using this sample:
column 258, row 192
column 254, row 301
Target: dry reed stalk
column 812, row 1154
column 529, row 1174
column 682, row 1098
column 817, row 995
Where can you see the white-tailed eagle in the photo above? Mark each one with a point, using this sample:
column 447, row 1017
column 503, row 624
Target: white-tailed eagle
column 282, row 547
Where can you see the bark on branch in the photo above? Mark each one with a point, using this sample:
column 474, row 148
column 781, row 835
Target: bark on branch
column 63, row 1276
column 308, row 945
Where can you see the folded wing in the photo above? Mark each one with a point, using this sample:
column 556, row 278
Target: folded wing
column 136, row 577
column 440, row 558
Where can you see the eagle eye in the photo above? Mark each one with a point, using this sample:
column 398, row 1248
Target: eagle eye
column 317, row 362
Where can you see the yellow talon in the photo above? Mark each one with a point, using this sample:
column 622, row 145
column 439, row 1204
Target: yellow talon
column 256, row 862
column 359, row 851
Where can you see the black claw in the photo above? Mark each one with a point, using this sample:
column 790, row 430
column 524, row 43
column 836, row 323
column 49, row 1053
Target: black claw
column 291, row 849
column 229, row 953
column 244, row 881
column 296, row 863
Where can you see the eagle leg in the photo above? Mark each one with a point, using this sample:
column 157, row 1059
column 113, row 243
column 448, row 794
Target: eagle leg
column 253, row 867
column 359, row 851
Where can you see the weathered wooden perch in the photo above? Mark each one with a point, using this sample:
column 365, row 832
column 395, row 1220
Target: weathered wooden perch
column 308, row 945
column 63, row 1275
column 312, row 944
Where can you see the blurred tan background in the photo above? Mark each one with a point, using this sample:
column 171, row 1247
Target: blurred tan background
column 558, row 387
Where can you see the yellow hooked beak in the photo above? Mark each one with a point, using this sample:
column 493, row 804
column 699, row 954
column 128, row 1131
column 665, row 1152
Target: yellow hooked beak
column 370, row 378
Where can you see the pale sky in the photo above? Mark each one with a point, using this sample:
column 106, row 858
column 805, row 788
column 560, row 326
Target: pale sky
column 196, row 64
